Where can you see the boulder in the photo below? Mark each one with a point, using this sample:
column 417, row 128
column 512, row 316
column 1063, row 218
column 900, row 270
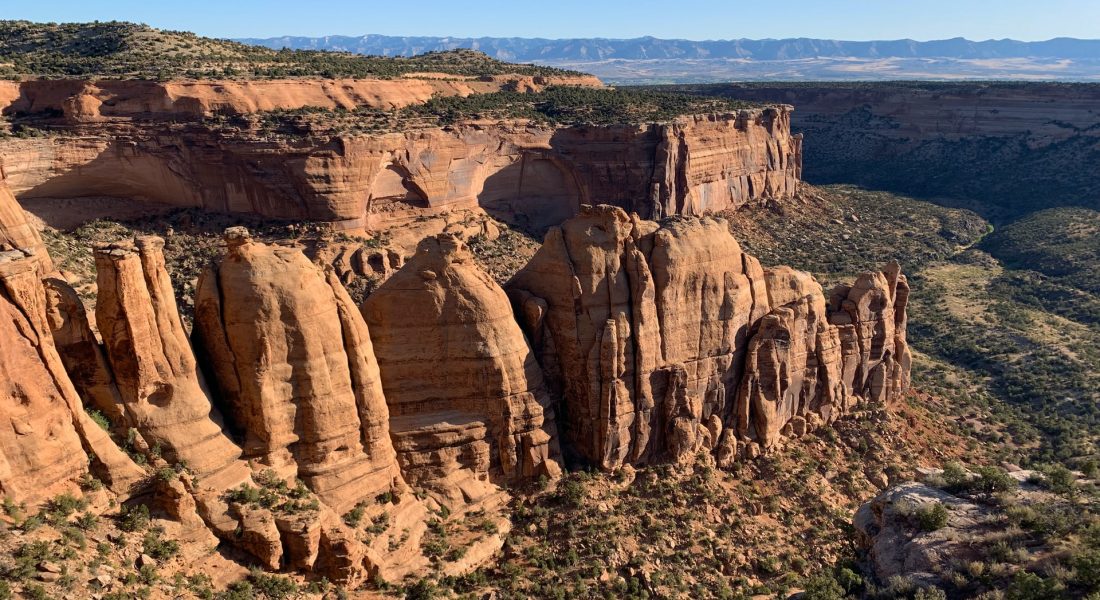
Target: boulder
column 895, row 546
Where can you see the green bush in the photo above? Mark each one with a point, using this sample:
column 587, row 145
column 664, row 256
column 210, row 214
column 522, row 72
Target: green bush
column 421, row 590
column 931, row 516
column 824, row 587
column 993, row 480
column 134, row 518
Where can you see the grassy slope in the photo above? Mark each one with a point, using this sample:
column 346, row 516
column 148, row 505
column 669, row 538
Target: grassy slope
column 128, row 50
column 554, row 106
column 1013, row 350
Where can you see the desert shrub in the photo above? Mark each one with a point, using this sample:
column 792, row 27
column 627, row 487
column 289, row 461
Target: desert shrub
column 355, row 515
column 157, row 547
column 824, row 587
column 421, row 590
column 955, row 476
column 993, row 480
column 134, row 518
column 931, row 516
column 273, row 587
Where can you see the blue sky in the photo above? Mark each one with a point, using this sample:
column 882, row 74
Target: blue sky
column 691, row 19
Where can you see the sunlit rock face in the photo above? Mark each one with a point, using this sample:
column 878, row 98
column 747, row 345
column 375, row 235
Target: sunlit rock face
column 668, row 340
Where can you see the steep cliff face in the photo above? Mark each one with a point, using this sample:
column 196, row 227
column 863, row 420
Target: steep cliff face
column 47, row 439
column 668, row 340
column 529, row 175
column 296, row 372
column 16, row 233
column 165, row 399
column 466, row 395
column 1009, row 145
column 152, row 361
column 96, row 100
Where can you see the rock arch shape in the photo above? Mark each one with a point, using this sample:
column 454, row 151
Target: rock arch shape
column 535, row 192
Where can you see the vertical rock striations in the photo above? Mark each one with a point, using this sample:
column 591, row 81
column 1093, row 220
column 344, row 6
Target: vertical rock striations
column 668, row 340
column 165, row 399
column 46, row 438
column 870, row 316
column 296, row 371
column 82, row 354
column 151, row 358
column 466, row 395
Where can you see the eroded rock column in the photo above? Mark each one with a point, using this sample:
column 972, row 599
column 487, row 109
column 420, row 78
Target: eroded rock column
column 46, row 438
column 296, row 371
column 466, row 395
column 667, row 341
column 151, row 358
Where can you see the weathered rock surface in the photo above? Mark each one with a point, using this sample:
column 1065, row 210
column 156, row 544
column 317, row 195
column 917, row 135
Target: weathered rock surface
column 296, row 372
column 167, row 402
column 151, row 358
column 82, row 100
column 871, row 319
column 46, row 438
column 669, row 340
column 82, row 354
column 16, row 232
column 466, row 395
column 896, row 547
column 530, row 175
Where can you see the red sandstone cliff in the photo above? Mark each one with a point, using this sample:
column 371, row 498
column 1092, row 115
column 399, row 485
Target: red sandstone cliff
column 532, row 176
column 658, row 341
column 666, row 341
column 82, row 100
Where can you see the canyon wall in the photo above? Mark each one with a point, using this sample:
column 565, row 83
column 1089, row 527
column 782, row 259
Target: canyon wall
column 1005, row 148
column 98, row 100
column 532, row 176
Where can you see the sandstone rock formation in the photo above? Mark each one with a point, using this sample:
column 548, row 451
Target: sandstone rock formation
column 530, row 175
column 46, row 439
column 466, row 395
column 166, row 401
column 296, row 372
column 81, row 100
column 16, row 232
column 668, row 340
column 152, row 362
column 82, row 353
column 871, row 319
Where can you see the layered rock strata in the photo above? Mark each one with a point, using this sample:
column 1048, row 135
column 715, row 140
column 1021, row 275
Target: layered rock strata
column 84, row 100
column 529, row 175
column 466, row 395
column 151, row 359
column 653, row 341
column 668, row 340
column 166, row 401
column 17, row 233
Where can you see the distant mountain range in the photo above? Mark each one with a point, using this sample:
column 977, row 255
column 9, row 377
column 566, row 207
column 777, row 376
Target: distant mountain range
column 649, row 59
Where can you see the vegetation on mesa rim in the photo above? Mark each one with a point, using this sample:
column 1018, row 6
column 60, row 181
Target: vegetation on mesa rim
column 120, row 49
column 556, row 105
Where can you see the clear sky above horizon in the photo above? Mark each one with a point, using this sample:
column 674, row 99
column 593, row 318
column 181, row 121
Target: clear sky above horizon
column 690, row 19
